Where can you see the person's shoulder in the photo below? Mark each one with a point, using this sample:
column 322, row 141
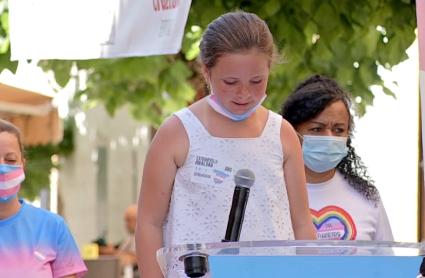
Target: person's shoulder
column 344, row 184
column 170, row 126
column 285, row 124
column 286, row 129
column 174, row 124
column 170, row 137
column 42, row 214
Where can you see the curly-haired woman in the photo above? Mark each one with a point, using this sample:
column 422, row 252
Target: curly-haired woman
column 344, row 202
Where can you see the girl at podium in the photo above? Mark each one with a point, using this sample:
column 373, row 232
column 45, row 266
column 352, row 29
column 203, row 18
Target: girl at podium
column 188, row 178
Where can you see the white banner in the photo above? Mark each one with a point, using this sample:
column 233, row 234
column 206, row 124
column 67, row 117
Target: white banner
column 90, row 29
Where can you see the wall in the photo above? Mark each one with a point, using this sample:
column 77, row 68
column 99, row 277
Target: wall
column 102, row 177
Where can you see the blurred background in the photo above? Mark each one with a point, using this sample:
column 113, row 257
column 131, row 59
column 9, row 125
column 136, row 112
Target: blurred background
column 87, row 123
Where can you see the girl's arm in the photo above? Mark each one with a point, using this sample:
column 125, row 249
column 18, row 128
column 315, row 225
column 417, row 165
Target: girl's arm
column 293, row 167
column 165, row 153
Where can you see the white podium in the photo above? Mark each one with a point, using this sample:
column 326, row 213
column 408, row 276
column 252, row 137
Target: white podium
column 294, row 259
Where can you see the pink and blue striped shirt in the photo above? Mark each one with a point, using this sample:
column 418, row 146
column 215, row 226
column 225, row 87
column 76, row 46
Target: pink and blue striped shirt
column 37, row 243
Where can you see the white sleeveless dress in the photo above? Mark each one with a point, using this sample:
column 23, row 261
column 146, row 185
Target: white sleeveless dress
column 204, row 185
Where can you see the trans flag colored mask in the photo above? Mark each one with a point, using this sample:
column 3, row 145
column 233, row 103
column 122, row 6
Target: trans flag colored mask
column 11, row 177
column 216, row 105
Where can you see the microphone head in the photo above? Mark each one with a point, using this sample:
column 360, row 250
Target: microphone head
column 244, row 178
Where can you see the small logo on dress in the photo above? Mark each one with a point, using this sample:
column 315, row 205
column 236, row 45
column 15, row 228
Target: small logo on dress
column 220, row 176
column 205, row 161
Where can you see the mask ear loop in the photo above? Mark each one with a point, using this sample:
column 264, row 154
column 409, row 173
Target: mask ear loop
column 300, row 136
column 208, row 87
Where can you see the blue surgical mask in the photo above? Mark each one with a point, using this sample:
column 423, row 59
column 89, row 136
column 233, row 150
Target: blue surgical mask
column 323, row 153
column 219, row 108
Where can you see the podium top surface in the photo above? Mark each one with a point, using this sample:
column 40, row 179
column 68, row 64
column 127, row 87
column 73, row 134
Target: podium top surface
column 304, row 247
column 255, row 255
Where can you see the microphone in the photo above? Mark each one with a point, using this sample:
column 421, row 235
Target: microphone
column 422, row 268
column 244, row 179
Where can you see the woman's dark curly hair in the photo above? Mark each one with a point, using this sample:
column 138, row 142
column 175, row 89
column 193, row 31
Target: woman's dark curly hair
column 306, row 102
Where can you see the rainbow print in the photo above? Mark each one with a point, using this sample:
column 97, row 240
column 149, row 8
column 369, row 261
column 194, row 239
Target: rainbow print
column 333, row 223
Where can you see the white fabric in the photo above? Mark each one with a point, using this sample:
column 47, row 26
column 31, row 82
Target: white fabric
column 200, row 206
column 81, row 29
column 341, row 212
column 128, row 244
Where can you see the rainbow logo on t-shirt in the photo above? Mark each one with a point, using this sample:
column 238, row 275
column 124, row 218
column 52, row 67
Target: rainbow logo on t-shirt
column 333, row 223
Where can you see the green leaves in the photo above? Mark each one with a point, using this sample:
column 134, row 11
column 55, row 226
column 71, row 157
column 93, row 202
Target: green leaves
column 4, row 34
column 152, row 87
column 5, row 62
column 270, row 8
column 346, row 40
column 190, row 45
column 61, row 69
column 343, row 39
column 39, row 162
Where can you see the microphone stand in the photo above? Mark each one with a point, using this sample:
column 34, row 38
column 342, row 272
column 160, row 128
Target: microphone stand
column 196, row 263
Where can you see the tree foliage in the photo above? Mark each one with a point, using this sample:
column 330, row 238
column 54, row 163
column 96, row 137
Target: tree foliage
column 346, row 40
column 39, row 162
column 4, row 39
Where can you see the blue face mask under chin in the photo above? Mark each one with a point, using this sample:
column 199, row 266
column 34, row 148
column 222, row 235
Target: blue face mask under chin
column 216, row 105
column 323, row 153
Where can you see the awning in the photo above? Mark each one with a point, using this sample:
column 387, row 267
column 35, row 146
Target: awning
column 33, row 113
